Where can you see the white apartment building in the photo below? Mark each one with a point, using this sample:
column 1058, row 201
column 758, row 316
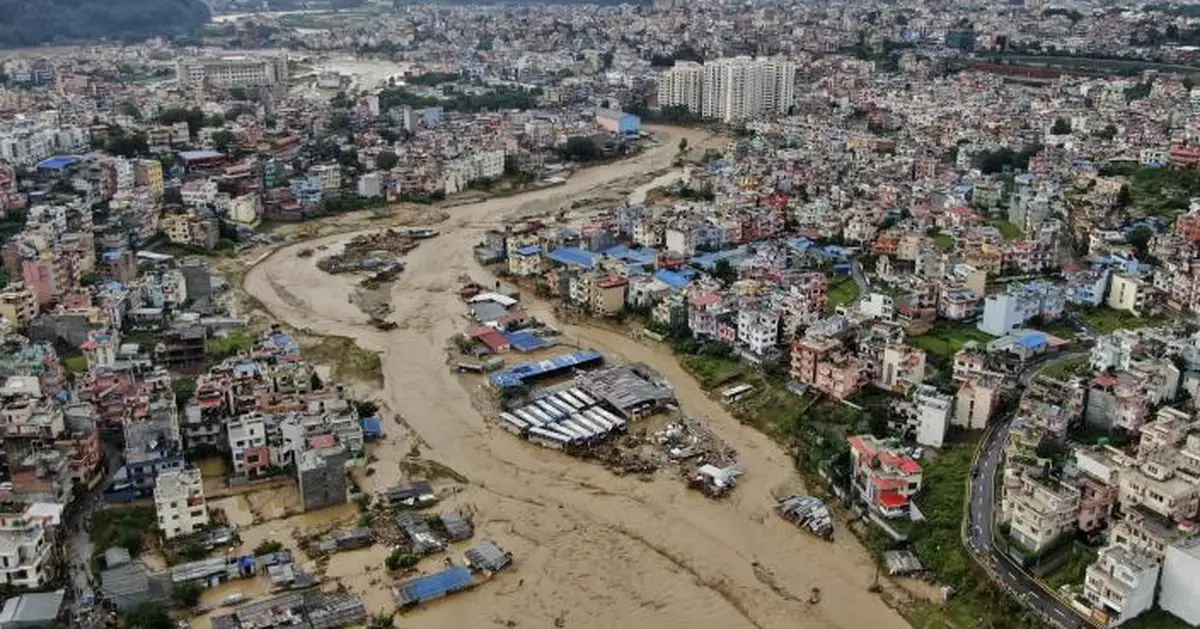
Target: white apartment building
column 246, row 209
column 1155, row 486
column 465, row 170
column 225, row 72
column 682, row 86
column 25, row 548
column 1120, row 584
column 758, row 329
column 742, row 88
column 25, row 143
column 245, row 432
column 179, row 502
column 1038, row 512
column 1180, row 592
column 329, row 175
column 732, row 89
column 933, row 415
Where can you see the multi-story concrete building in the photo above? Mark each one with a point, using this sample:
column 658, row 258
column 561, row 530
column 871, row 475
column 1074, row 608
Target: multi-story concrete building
column 229, row 71
column 733, row 89
column 179, row 503
column 1007, row 311
column 1038, row 511
column 975, row 401
column 903, row 367
column 1133, row 293
column 1180, row 580
column 248, row 445
column 1120, row 584
column 322, row 476
column 933, row 412
column 682, row 86
column 18, row 305
column 26, row 542
column 742, row 88
column 883, row 477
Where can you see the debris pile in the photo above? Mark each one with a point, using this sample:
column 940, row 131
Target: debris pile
column 807, row 512
column 691, row 444
column 377, row 253
column 624, row 457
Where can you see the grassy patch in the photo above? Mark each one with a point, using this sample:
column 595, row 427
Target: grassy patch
column 75, row 364
column 1107, row 320
column 842, row 291
column 945, row 242
column 430, row 470
column 1007, row 229
column 945, row 339
column 712, row 371
column 123, row 526
column 1078, row 365
column 1073, row 570
column 347, row 360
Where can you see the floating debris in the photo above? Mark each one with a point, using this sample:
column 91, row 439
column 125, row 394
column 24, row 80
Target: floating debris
column 807, row 512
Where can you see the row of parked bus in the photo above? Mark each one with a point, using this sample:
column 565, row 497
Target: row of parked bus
column 562, row 419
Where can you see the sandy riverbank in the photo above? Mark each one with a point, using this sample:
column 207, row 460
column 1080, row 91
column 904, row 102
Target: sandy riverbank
column 593, row 550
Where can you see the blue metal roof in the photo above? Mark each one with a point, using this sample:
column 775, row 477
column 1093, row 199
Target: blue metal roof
column 674, row 279
column 524, row 341
column 371, row 426
column 708, row 261
column 529, row 250
column 433, row 586
column 58, row 162
column 573, row 255
column 643, row 255
column 517, row 375
column 1032, row 338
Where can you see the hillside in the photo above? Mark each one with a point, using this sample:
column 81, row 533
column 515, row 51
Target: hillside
column 34, row 22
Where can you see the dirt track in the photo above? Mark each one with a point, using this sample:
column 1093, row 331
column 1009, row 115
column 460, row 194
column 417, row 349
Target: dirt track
column 592, row 550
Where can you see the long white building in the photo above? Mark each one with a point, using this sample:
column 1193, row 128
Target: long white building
column 225, row 72
column 732, row 89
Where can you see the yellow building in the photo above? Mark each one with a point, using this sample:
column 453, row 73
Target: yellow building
column 149, row 173
column 18, row 305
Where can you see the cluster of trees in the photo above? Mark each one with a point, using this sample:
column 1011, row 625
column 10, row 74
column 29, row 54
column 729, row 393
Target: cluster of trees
column 34, row 22
column 500, row 98
column 991, row 162
column 581, row 148
column 194, row 118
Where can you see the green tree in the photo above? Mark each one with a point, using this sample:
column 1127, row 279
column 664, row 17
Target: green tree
column 401, row 560
column 183, row 388
column 683, row 145
column 186, row 594
column 386, row 160
column 725, row 272
column 267, row 547
column 239, row 93
column 224, row 140
column 581, row 148
column 147, row 616
column 1060, row 127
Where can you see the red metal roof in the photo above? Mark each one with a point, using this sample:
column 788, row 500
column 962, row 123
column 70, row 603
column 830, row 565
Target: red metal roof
column 892, row 499
column 322, row 441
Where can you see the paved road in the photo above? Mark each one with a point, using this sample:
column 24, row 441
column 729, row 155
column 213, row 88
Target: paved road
column 1018, row 583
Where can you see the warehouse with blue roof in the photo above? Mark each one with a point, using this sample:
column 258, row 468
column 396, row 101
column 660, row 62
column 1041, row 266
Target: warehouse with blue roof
column 434, row 586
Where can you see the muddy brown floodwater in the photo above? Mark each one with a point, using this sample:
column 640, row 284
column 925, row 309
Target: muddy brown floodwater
column 592, row 550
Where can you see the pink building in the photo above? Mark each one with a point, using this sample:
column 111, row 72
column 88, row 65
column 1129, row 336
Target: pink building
column 39, row 278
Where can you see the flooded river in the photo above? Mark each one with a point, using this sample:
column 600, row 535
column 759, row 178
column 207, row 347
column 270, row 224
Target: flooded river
column 592, row 550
